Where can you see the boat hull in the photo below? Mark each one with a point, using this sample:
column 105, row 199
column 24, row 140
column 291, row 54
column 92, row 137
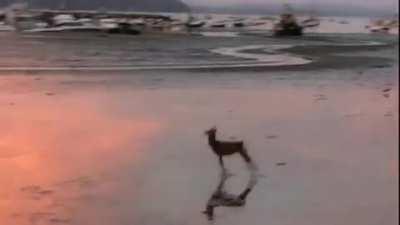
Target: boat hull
column 289, row 31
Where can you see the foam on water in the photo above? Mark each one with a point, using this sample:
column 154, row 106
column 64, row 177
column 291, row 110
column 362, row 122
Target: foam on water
column 267, row 59
column 269, row 56
column 272, row 55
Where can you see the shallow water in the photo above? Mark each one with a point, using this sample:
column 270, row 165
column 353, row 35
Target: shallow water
column 57, row 52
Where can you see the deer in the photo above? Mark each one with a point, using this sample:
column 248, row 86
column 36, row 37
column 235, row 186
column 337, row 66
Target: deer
column 226, row 148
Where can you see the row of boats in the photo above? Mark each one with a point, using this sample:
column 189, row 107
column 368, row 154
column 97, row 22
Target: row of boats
column 67, row 22
column 233, row 22
column 57, row 21
column 287, row 24
column 136, row 24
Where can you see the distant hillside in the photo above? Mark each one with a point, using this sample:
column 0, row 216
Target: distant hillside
column 122, row 5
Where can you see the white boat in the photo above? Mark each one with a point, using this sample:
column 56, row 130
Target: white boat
column 5, row 27
column 64, row 23
column 85, row 21
column 119, row 26
column 218, row 24
column 380, row 30
column 195, row 24
column 192, row 22
column 138, row 22
column 383, row 26
column 64, row 19
column 108, row 23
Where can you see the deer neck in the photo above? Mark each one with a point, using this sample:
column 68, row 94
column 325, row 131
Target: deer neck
column 211, row 140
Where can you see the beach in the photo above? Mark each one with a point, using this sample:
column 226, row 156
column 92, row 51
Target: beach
column 110, row 130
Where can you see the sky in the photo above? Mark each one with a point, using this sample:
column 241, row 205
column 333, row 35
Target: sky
column 385, row 4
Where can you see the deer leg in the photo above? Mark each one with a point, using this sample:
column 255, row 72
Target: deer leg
column 209, row 212
column 245, row 155
column 244, row 194
column 221, row 163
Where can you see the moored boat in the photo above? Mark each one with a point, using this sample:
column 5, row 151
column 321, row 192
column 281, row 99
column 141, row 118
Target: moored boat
column 218, row 25
column 239, row 24
column 6, row 27
column 195, row 24
column 64, row 23
column 288, row 26
column 123, row 28
column 383, row 26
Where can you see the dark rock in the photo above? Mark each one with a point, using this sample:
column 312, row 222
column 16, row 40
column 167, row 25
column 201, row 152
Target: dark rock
column 387, row 90
column 389, row 114
column 272, row 137
column 58, row 220
column 320, row 97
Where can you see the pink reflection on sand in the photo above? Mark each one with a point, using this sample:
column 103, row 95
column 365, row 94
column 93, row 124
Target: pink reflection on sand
column 53, row 148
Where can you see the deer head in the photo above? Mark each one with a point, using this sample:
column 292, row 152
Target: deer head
column 211, row 131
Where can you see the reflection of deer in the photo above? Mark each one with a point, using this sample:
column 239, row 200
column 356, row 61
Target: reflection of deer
column 222, row 198
column 224, row 148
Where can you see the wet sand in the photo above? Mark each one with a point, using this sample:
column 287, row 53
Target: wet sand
column 129, row 148
column 92, row 150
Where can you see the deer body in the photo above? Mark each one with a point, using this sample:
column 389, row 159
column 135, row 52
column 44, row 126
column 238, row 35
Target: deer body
column 225, row 148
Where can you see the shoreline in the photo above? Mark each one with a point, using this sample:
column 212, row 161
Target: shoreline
column 253, row 58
